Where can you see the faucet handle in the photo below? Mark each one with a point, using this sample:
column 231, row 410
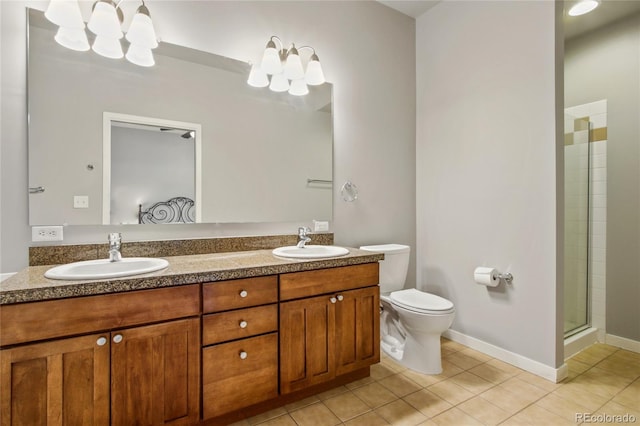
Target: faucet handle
column 302, row 231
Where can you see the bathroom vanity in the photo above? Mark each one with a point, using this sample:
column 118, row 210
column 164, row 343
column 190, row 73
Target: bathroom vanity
column 211, row 339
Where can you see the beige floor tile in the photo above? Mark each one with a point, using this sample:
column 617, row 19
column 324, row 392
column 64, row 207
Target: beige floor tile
column 576, row 368
column 630, row 396
column 507, row 368
column 423, row 380
column 490, row 373
column 484, row 411
column 302, row 403
column 240, row 423
column 374, row 395
column 455, row 417
column 400, row 385
column 575, row 392
column 427, row 402
column 428, row 423
column 513, row 395
column 615, row 409
column 346, row 406
column 537, row 415
column 463, row 361
column 393, row 364
column 359, row 383
column 476, row 354
column 565, row 408
column 451, row 392
column 271, row 414
column 623, row 363
column 315, row 415
column 332, row 392
column 285, row 420
column 380, row 371
column 600, row 349
column 538, row 381
column 448, row 369
column 401, row 414
column 602, row 382
column 589, row 358
column 369, row 419
column 451, row 345
column 471, row 382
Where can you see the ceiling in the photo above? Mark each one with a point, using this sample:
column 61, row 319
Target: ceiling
column 607, row 12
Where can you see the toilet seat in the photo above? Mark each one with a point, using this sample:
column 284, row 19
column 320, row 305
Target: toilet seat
column 424, row 303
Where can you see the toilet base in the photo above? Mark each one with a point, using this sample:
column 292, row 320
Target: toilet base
column 422, row 357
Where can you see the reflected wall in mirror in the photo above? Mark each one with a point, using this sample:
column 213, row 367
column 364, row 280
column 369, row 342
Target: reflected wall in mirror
column 259, row 149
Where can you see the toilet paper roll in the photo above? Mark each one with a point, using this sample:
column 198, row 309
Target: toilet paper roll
column 486, row 276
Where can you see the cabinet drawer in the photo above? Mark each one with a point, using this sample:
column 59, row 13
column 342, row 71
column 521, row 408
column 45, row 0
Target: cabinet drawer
column 27, row 322
column 232, row 381
column 239, row 324
column 234, row 294
column 311, row 283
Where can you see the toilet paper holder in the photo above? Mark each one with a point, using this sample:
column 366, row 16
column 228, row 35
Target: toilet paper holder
column 508, row 277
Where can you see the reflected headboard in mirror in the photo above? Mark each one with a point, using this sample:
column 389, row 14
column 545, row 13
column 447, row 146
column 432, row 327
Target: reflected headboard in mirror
column 259, row 149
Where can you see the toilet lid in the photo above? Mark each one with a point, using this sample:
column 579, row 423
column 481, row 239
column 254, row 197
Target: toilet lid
column 417, row 300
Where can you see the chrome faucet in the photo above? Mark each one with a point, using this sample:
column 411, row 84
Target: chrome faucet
column 115, row 239
column 303, row 238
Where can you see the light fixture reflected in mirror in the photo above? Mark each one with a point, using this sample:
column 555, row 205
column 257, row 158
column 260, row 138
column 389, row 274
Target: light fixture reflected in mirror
column 106, row 23
column 583, row 6
column 286, row 69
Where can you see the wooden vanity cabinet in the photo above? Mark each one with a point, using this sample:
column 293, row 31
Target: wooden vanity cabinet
column 329, row 324
column 240, row 344
column 128, row 374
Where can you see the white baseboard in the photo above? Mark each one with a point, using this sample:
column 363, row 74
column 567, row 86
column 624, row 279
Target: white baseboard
column 580, row 341
column 622, row 342
column 553, row 374
column 6, row 275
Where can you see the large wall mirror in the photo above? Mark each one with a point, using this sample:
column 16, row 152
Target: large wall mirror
column 109, row 139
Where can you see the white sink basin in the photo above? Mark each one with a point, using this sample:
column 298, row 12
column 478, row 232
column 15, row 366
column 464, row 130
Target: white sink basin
column 103, row 268
column 310, row 252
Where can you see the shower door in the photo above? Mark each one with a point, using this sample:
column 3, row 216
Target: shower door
column 576, row 224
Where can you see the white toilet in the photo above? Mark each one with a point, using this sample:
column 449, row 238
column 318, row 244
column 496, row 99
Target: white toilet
column 411, row 321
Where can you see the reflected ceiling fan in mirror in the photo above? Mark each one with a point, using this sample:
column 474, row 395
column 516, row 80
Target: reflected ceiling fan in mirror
column 189, row 134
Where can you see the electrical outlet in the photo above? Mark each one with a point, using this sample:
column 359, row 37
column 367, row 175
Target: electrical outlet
column 80, row 201
column 320, row 226
column 46, row 233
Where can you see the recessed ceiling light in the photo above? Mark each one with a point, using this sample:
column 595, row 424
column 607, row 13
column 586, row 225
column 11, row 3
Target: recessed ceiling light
column 582, row 7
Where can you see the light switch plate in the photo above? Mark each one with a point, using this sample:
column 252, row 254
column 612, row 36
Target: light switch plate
column 80, row 201
column 320, row 226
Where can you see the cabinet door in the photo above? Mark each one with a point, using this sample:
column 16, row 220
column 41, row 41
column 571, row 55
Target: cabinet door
column 357, row 329
column 155, row 374
column 65, row 381
column 307, row 342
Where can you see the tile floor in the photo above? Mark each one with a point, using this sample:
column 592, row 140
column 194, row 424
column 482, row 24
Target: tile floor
column 475, row 389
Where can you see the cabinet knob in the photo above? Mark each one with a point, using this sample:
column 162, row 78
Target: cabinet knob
column 340, row 298
column 101, row 341
column 117, row 338
column 243, row 293
column 243, row 324
column 243, row 355
column 333, row 300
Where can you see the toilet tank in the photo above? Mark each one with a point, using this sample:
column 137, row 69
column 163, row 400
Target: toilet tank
column 394, row 267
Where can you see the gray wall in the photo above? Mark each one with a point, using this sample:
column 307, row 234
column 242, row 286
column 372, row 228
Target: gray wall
column 605, row 64
column 486, row 169
column 367, row 52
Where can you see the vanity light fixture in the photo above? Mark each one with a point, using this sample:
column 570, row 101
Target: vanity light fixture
column 582, row 7
column 106, row 23
column 286, row 69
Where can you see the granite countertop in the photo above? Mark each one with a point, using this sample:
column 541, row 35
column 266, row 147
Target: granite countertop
column 30, row 285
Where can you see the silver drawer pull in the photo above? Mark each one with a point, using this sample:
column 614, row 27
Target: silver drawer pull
column 333, row 300
column 243, row 355
column 243, row 324
column 101, row 341
column 243, row 293
column 340, row 298
column 117, row 338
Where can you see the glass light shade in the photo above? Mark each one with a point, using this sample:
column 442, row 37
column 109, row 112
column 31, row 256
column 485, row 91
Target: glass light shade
column 257, row 77
column 279, row 83
column 293, row 67
column 65, row 13
column 108, row 47
column 271, row 61
column 72, row 38
column 104, row 21
column 298, row 88
column 582, row 7
column 314, row 75
column 140, row 55
column 141, row 31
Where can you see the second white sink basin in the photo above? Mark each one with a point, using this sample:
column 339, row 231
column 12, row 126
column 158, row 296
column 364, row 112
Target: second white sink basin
column 103, row 268
column 310, row 252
